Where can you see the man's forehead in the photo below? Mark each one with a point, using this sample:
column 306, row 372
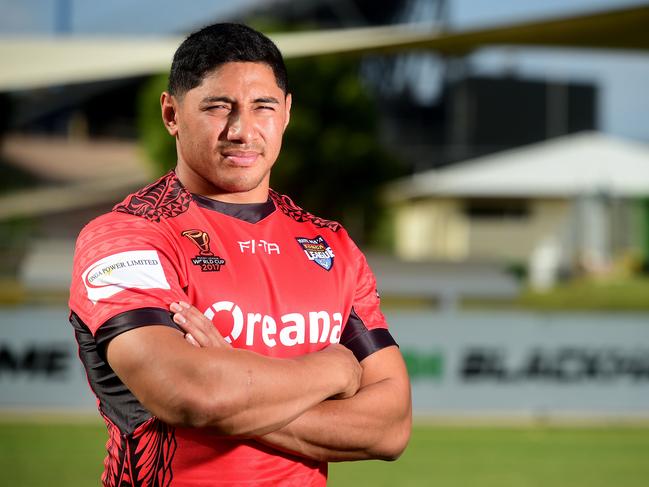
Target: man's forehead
column 242, row 71
column 238, row 81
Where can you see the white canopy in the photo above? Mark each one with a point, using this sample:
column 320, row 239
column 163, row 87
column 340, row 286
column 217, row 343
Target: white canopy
column 573, row 165
column 31, row 63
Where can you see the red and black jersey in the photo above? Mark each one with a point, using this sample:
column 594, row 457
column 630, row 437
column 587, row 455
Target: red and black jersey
column 271, row 277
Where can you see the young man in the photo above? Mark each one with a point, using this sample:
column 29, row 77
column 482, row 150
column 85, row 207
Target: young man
column 276, row 358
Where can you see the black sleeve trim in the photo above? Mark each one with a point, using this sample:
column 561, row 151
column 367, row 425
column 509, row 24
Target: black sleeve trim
column 363, row 342
column 369, row 342
column 128, row 320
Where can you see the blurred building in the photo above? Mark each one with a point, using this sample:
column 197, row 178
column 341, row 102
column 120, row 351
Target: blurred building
column 574, row 202
column 71, row 181
column 461, row 116
column 477, row 115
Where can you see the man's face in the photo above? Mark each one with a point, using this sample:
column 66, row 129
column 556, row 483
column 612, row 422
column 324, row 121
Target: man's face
column 229, row 131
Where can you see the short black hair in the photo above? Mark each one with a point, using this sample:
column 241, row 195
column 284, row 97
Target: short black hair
column 206, row 49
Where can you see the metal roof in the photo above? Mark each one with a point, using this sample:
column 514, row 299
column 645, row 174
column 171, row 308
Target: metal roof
column 563, row 167
column 32, row 62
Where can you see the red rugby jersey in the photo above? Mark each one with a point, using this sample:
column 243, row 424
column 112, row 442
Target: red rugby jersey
column 272, row 278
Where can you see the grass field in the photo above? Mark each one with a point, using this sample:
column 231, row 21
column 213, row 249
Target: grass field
column 57, row 454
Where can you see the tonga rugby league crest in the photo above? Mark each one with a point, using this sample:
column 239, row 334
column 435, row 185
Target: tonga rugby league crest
column 318, row 251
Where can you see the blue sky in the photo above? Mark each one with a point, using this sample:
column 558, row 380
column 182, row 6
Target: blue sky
column 133, row 17
column 622, row 77
column 468, row 13
column 163, row 16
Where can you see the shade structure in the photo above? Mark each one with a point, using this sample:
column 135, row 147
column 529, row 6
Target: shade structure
column 32, row 62
column 564, row 167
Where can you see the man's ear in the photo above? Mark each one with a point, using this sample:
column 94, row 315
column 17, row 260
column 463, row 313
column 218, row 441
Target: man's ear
column 168, row 106
column 288, row 103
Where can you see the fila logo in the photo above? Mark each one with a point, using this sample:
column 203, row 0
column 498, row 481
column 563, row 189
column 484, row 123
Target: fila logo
column 259, row 246
column 290, row 329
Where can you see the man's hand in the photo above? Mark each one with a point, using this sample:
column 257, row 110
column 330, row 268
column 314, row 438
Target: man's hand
column 372, row 421
column 201, row 332
column 343, row 356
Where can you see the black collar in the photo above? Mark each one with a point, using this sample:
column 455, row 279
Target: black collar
column 248, row 212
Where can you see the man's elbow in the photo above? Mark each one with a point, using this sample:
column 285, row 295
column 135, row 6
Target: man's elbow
column 199, row 410
column 394, row 443
column 396, row 435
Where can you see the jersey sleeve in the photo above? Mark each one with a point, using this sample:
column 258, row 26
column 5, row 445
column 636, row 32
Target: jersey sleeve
column 366, row 330
column 125, row 275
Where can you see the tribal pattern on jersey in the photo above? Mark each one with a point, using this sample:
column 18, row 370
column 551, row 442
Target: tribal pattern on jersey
column 166, row 198
column 142, row 459
column 286, row 205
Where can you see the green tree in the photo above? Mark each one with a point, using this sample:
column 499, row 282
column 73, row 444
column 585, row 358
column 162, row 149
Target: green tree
column 332, row 162
column 159, row 146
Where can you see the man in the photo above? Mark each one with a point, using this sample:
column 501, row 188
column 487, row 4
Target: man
column 245, row 383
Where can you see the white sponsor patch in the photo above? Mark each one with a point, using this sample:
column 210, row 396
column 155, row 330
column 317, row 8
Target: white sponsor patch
column 135, row 269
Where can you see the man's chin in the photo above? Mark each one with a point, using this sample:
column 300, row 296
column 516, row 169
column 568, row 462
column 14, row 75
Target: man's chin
column 239, row 186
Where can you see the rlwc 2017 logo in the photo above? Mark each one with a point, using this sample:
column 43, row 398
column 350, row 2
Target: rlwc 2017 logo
column 134, row 269
column 318, row 251
column 205, row 258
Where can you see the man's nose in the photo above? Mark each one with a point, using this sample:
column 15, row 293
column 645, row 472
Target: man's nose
column 240, row 127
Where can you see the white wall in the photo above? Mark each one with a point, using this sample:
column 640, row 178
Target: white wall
column 439, row 229
column 515, row 239
column 525, row 364
column 464, row 364
column 39, row 366
column 430, row 230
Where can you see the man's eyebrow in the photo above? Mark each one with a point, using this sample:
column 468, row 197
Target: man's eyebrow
column 215, row 99
column 225, row 99
column 266, row 99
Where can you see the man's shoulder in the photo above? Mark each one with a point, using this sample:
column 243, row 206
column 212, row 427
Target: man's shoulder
column 286, row 205
column 141, row 210
column 164, row 198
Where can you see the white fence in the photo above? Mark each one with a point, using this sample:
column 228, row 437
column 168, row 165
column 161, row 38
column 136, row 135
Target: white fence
column 525, row 364
column 39, row 367
column 481, row 364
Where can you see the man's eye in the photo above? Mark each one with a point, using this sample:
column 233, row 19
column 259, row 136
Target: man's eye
column 266, row 107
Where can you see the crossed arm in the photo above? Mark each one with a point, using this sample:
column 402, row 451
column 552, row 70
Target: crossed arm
column 235, row 392
column 374, row 423
column 351, row 412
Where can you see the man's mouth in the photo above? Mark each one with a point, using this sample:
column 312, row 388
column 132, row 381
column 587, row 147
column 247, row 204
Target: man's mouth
column 241, row 158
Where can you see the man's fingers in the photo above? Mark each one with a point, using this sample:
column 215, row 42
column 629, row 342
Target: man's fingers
column 202, row 331
column 195, row 316
column 191, row 340
column 175, row 307
column 191, row 324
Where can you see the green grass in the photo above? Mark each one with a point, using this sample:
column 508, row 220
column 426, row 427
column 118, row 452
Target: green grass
column 51, row 454
column 55, row 454
column 628, row 294
column 501, row 457
column 622, row 294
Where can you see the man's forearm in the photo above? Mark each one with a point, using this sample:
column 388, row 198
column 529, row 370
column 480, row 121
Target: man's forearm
column 375, row 423
column 237, row 392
